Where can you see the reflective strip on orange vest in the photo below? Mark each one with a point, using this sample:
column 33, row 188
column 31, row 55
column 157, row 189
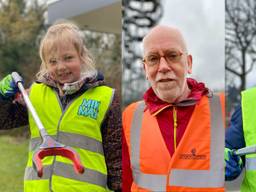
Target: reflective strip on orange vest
column 214, row 177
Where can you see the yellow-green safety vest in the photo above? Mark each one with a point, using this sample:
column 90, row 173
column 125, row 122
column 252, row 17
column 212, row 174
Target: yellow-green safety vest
column 249, row 129
column 77, row 126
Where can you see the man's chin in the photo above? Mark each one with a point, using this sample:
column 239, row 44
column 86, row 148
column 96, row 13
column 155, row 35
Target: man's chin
column 167, row 96
column 166, row 85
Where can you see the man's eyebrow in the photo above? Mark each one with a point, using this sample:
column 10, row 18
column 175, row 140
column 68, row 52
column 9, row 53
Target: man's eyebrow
column 152, row 52
column 166, row 50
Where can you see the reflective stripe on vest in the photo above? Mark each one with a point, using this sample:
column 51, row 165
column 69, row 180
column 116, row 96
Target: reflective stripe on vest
column 67, row 171
column 72, row 140
column 187, row 178
column 78, row 126
column 250, row 164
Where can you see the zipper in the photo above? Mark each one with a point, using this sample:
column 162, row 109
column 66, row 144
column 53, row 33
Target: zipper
column 54, row 159
column 57, row 133
column 174, row 128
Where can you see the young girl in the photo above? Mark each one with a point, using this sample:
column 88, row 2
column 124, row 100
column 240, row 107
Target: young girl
column 76, row 108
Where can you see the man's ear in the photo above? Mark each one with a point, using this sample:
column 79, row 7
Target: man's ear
column 145, row 71
column 190, row 61
column 144, row 67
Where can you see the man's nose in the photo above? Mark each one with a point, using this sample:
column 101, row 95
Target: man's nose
column 163, row 65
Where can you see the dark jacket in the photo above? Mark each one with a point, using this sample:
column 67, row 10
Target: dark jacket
column 234, row 136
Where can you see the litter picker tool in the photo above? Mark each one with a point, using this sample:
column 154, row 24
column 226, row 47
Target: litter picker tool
column 245, row 150
column 49, row 146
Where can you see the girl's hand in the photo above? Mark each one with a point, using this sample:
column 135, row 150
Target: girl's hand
column 8, row 88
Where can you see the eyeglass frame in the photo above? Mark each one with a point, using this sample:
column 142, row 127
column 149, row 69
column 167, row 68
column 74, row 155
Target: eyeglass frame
column 164, row 56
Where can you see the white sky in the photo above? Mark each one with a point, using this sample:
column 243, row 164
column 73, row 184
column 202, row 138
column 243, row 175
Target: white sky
column 202, row 24
column 251, row 78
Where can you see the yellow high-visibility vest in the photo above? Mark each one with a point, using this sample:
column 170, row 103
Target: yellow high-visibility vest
column 77, row 126
column 249, row 128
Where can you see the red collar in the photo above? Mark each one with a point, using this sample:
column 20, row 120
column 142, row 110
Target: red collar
column 155, row 105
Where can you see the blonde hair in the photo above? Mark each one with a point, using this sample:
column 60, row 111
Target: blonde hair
column 65, row 32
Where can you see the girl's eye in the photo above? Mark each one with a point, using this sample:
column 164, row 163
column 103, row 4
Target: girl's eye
column 53, row 61
column 67, row 58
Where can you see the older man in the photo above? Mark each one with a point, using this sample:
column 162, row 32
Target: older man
column 174, row 138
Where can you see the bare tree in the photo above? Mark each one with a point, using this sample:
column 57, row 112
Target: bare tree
column 240, row 40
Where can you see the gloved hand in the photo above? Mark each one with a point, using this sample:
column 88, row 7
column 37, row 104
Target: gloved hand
column 8, row 88
column 234, row 165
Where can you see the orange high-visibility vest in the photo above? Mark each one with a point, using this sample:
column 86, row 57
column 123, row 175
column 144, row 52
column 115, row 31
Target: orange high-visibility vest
column 196, row 165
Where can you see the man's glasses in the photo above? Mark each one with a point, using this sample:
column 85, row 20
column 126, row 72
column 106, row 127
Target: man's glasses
column 169, row 56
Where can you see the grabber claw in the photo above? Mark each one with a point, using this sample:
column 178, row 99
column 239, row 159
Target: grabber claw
column 50, row 147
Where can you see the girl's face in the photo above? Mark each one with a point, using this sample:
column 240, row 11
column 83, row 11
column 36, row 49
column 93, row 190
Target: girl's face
column 65, row 65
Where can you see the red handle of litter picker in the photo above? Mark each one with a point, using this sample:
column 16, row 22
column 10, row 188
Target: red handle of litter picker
column 66, row 152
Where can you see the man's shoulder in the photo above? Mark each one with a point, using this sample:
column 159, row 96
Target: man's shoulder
column 128, row 114
column 131, row 107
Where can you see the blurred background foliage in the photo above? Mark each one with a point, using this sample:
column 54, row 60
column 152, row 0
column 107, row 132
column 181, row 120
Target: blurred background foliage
column 20, row 28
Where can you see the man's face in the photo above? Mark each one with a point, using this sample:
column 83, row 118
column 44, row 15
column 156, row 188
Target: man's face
column 166, row 64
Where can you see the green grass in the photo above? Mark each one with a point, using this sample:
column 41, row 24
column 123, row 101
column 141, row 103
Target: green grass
column 13, row 157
